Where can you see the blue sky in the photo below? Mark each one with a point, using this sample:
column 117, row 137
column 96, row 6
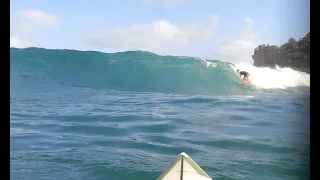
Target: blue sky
column 207, row 28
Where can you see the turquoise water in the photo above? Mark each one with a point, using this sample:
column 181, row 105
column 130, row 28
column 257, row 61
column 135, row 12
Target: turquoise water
column 91, row 115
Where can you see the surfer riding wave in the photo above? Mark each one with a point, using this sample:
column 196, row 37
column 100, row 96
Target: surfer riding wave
column 245, row 75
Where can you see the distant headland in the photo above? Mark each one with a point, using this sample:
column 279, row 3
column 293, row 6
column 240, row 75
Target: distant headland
column 293, row 54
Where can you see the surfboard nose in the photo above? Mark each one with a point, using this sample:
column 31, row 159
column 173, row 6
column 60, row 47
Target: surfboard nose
column 184, row 168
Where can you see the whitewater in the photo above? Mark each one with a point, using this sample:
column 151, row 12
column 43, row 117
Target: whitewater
column 127, row 115
column 277, row 78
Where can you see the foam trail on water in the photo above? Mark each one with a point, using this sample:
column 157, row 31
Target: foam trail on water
column 267, row 78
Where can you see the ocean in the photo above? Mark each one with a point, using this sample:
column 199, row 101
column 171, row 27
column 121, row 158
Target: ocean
column 127, row 115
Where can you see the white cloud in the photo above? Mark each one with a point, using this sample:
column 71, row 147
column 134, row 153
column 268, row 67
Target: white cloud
column 160, row 36
column 18, row 43
column 40, row 18
column 240, row 48
column 24, row 28
column 163, row 37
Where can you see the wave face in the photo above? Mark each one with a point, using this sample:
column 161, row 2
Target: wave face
column 144, row 72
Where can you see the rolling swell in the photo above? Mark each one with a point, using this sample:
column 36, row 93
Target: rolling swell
column 128, row 71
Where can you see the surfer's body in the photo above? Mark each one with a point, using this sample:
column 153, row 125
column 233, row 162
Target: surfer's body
column 245, row 75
